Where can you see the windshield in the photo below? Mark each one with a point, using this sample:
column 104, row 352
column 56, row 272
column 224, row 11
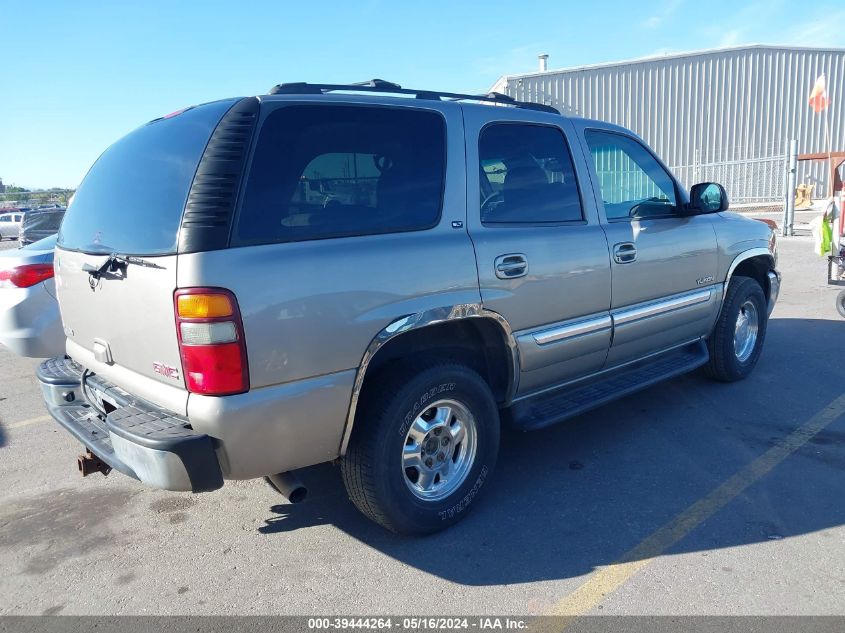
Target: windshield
column 133, row 197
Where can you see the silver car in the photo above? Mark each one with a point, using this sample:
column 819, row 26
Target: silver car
column 227, row 320
column 29, row 315
column 10, row 225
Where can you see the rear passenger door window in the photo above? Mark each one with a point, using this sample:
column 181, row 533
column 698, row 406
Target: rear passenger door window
column 527, row 176
column 632, row 182
column 335, row 171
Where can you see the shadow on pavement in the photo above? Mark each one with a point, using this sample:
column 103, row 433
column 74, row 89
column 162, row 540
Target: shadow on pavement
column 570, row 498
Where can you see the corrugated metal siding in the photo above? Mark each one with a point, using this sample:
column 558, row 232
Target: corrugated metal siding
column 726, row 113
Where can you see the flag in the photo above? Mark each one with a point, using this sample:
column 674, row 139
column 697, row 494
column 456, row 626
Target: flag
column 818, row 97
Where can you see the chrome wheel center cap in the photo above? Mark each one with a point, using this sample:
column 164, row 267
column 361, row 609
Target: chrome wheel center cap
column 431, row 446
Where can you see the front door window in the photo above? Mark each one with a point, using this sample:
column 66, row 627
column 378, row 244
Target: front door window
column 632, row 182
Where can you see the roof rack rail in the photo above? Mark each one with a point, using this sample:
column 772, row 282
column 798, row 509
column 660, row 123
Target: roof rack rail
column 380, row 85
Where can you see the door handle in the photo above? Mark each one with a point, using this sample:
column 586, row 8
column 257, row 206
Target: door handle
column 624, row 253
column 511, row 266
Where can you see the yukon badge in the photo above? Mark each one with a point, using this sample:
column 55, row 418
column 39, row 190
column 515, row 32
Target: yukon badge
column 165, row 370
column 704, row 280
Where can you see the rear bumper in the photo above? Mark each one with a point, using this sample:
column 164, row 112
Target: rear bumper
column 136, row 438
column 30, row 324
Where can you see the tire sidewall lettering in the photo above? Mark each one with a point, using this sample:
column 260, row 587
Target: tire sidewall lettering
column 420, row 405
column 462, row 505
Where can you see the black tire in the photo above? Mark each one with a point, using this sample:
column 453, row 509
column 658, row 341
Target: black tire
column 372, row 468
column 724, row 365
column 840, row 303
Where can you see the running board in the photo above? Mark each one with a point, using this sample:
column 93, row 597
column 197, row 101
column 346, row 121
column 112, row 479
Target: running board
column 550, row 408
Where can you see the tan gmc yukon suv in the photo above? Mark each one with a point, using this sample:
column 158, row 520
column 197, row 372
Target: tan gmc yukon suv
column 379, row 277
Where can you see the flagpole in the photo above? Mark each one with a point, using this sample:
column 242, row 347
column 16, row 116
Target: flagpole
column 829, row 152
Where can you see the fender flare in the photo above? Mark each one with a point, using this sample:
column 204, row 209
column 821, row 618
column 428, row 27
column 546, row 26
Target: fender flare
column 773, row 276
column 416, row 321
column 746, row 255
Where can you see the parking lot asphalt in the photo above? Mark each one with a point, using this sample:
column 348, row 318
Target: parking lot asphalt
column 692, row 497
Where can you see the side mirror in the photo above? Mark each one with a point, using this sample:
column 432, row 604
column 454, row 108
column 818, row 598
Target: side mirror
column 708, row 197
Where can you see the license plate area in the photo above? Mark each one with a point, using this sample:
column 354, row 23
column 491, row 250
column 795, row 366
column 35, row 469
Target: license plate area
column 104, row 396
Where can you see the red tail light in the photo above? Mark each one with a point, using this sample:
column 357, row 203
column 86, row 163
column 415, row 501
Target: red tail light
column 211, row 341
column 26, row 275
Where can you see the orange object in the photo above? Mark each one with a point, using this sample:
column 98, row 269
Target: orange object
column 771, row 223
column 818, row 96
column 204, row 306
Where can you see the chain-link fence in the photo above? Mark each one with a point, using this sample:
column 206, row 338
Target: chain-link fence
column 31, row 199
column 756, row 180
column 750, row 175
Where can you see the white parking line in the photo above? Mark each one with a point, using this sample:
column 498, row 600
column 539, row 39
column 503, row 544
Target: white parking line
column 30, row 421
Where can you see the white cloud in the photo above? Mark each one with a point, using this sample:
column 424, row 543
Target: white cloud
column 824, row 30
column 666, row 11
column 732, row 37
column 823, row 26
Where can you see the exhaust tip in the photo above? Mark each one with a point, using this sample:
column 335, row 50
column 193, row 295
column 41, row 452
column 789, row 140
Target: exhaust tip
column 289, row 486
column 298, row 495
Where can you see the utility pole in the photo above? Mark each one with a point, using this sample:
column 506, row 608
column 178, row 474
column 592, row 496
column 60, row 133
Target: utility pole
column 789, row 200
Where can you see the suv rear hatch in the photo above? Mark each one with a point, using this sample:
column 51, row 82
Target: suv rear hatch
column 117, row 253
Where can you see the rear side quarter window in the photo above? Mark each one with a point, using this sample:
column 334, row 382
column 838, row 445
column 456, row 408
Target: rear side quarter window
column 334, row 171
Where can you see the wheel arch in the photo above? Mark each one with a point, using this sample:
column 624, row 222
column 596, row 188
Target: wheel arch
column 755, row 263
column 481, row 338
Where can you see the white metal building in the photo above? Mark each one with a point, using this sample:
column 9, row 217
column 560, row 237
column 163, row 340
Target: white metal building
column 725, row 115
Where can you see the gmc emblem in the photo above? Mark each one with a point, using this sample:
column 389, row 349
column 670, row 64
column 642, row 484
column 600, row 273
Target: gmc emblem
column 166, row 370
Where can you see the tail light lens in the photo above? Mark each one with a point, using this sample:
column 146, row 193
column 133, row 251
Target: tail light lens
column 211, row 341
column 26, row 275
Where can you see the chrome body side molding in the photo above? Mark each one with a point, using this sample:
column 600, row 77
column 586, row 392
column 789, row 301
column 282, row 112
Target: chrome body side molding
column 421, row 320
column 572, row 330
column 655, row 308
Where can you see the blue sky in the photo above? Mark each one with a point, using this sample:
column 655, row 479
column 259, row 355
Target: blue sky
column 77, row 75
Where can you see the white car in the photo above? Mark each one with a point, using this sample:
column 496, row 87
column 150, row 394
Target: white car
column 10, row 225
column 30, row 324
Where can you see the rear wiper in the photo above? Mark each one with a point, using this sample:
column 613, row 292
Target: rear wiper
column 116, row 263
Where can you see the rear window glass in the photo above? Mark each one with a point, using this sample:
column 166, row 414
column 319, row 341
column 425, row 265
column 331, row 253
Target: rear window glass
column 334, row 171
column 133, row 197
column 43, row 220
